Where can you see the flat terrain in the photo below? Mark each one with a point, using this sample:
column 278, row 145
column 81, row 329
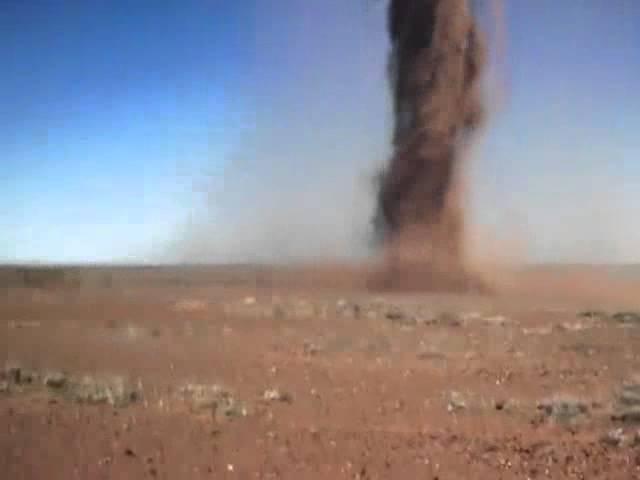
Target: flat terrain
column 270, row 374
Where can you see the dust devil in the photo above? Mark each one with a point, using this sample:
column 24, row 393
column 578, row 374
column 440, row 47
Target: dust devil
column 436, row 60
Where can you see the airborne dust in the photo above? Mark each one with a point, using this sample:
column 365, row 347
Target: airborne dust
column 436, row 61
column 327, row 111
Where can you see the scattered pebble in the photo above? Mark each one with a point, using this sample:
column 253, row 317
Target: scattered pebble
column 445, row 319
column 456, row 402
column 55, row 380
column 575, row 326
column 401, row 318
column 310, row 348
column 190, row 305
column 496, row 321
column 133, row 332
column 615, row 438
column 275, row 395
column 347, row 310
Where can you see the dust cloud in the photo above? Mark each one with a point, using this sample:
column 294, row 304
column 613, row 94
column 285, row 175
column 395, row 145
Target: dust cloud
column 303, row 184
column 298, row 185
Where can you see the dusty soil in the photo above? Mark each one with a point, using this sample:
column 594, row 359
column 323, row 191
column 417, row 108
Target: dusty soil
column 240, row 377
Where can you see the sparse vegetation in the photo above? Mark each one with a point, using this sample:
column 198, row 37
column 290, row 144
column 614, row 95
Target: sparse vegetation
column 297, row 370
column 564, row 409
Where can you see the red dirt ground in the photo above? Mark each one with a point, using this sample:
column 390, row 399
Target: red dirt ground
column 375, row 391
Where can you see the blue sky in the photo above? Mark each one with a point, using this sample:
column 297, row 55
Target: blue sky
column 115, row 114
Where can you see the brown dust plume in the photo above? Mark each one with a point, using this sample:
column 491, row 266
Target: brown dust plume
column 436, row 61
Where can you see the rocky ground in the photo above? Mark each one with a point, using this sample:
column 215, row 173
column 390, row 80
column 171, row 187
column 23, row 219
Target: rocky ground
column 255, row 382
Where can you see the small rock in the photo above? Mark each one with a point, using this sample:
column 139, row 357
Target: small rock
column 456, row 402
column 225, row 412
column 401, row 318
column 55, row 380
column 615, row 438
column 249, row 301
column 190, row 305
column 275, row 395
column 133, row 332
column 445, row 319
column 310, row 348
column 346, row 309
column 574, row 326
column 496, row 321
column 4, row 386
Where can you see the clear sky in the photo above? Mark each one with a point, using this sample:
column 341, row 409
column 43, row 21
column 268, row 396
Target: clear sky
column 114, row 115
